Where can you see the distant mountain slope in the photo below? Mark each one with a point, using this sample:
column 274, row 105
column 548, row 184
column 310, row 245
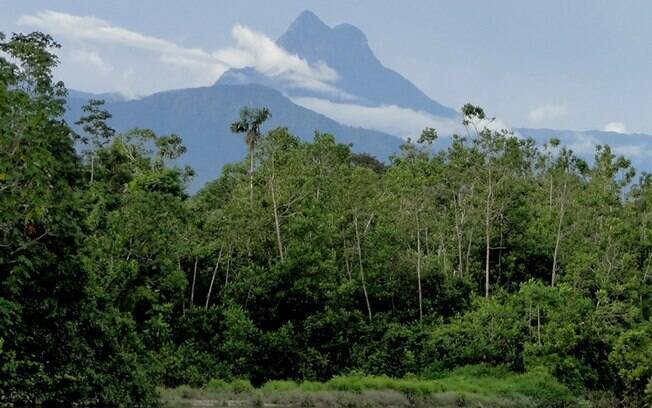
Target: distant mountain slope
column 202, row 117
column 345, row 49
column 108, row 96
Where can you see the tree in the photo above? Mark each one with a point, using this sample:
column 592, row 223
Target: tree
column 505, row 159
column 59, row 344
column 462, row 187
column 94, row 124
column 561, row 173
column 249, row 123
column 412, row 181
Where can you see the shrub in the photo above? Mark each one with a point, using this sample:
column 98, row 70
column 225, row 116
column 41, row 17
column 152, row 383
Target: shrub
column 279, row 385
column 241, row 386
column 632, row 358
column 217, row 385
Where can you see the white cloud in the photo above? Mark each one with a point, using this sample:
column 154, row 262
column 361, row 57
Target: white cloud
column 390, row 119
column 201, row 67
column 97, row 30
column 387, row 118
column 256, row 50
column 617, row 127
column 548, row 112
column 259, row 51
column 91, row 59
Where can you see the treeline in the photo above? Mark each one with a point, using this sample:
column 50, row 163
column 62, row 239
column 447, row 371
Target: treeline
column 305, row 260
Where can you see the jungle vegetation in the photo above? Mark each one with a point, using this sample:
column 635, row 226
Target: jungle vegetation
column 306, row 262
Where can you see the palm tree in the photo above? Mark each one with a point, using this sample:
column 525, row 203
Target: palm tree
column 250, row 121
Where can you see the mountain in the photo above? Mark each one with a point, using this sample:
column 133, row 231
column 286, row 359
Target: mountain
column 84, row 96
column 202, row 117
column 361, row 77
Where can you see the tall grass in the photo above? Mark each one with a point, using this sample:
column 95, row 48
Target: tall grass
column 476, row 383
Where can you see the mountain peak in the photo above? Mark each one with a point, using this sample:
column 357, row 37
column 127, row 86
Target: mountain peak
column 360, row 75
column 313, row 40
column 308, row 22
column 350, row 31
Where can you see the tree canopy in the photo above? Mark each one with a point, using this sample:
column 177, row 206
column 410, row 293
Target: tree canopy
column 311, row 263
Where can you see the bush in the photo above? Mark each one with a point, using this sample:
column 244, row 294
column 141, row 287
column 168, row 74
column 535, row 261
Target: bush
column 279, row 385
column 494, row 333
column 632, row 358
column 241, row 386
column 565, row 336
column 217, row 385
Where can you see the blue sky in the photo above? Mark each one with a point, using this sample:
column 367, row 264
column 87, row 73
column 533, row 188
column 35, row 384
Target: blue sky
column 558, row 64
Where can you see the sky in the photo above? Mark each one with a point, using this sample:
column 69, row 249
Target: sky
column 582, row 64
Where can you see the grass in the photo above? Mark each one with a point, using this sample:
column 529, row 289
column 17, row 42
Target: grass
column 470, row 386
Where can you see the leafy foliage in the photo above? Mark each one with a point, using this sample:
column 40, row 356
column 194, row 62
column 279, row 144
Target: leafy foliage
column 307, row 262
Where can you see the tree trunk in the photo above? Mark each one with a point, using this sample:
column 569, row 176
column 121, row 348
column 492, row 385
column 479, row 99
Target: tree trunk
column 226, row 277
column 364, row 284
column 538, row 325
column 276, row 218
column 468, row 254
column 250, row 147
column 487, row 235
column 550, row 193
column 92, row 167
column 562, row 209
column 251, row 175
column 210, row 288
column 192, row 289
column 458, row 234
column 346, row 260
column 419, row 267
column 425, row 238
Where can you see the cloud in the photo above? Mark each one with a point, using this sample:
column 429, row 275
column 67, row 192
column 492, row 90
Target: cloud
column 617, row 127
column 390, row 119
column 97, row 30
column 548, row 112
column 251, row 49
column 256, row 50
column 92, row 59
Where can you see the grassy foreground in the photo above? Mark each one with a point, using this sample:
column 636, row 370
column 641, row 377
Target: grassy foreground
column 467, row 387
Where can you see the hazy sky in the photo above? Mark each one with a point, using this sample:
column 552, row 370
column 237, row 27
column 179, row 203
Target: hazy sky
column 556, row 63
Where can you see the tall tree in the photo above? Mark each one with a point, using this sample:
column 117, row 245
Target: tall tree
column 251, row 119
column 60, row 344
column 99, row 133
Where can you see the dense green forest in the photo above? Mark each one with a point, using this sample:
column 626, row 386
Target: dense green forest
column 305, row 261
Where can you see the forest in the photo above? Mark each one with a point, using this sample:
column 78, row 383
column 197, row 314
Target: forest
column 306, row 262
